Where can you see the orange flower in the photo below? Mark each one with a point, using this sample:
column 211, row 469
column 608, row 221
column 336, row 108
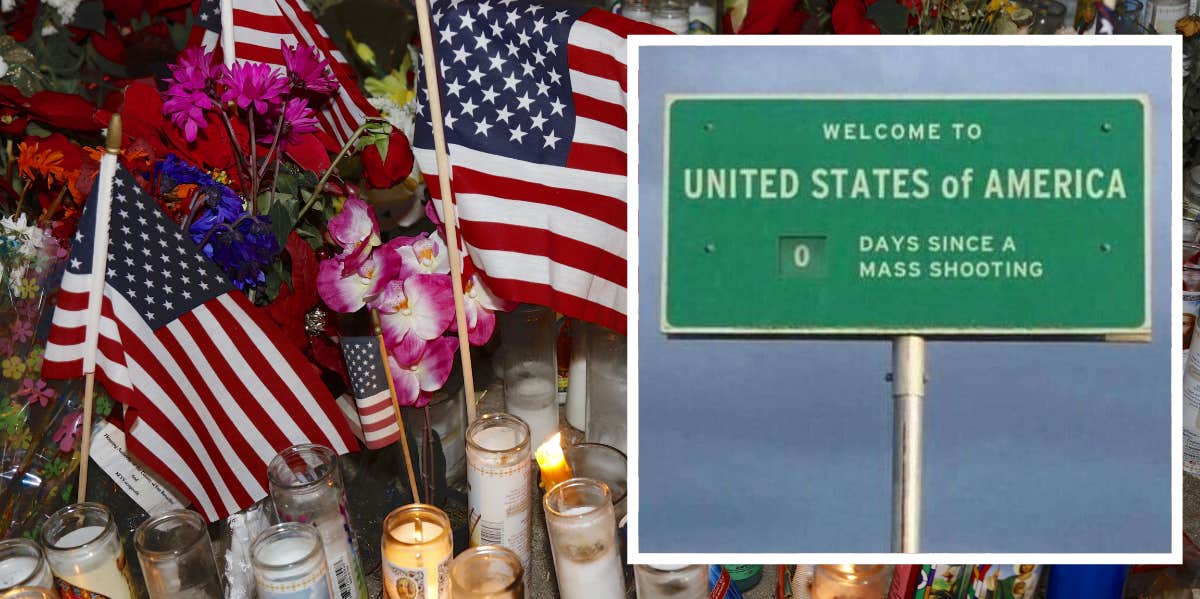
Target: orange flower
column 34, row 162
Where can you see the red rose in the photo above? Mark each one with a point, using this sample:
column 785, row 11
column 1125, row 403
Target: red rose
column 381, row 174
column 54, row 109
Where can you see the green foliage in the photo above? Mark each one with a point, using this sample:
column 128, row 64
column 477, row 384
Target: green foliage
column 12, row 418
column 1191, row 101
column 56, row 468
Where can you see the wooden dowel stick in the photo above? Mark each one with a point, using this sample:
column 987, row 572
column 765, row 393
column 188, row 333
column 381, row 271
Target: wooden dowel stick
column 448, row 213
column 89, row 390
column 387, row 372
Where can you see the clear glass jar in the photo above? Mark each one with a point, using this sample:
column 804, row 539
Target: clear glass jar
column 29, row 593
column 637, row 10
column 417, row 548
column 23, row 564
column 583, row 540
column 604, row 463
column 1129, row 17
column 81, row 544
column 289, row 563
column 448, row 416
column 176, row 557
column 487, row 572
column 671, row 15
column 847, row 581
column 606, row 388
column 500, row 479
column 702, row 18
column 1162, row 15
column 671, row 582
column 529, row 338
column 306, row 487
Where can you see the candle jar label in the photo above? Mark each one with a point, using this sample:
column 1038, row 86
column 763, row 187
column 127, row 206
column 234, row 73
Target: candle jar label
column 340, row 556
column 499, row 506
column 308, row 587
column 410, row 583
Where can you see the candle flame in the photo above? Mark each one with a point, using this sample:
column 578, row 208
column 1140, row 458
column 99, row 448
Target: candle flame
column 551, row 451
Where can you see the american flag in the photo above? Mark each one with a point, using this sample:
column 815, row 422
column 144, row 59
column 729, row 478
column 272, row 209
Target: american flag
column 364, row 364
column 258, row 28
column 211, row 389
column 533, row 98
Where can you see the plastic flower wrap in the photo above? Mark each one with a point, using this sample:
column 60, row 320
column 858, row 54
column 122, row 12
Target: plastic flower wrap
column 407, row 282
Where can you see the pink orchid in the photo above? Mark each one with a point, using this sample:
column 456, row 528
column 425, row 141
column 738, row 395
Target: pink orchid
column 356, row 230
column 480, row 305
column 419, row 368
column 22, row 330
column 39, row 392
column 418, row 255
column 68, row 431
column 420, row 304
column 348, row 293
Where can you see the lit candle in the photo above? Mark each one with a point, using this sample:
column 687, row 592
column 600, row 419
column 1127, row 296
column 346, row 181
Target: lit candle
column 29, row 593
column 22, row 564
column 499, row 476
column 587, row 560
column 849, row 581
column 552, row 462
column 417, row 546
column 289, row 563
column 84, row 551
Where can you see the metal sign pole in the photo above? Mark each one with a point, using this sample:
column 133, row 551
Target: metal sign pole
column 908, row 389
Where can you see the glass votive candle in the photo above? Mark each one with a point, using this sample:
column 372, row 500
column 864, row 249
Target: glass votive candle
column 306, row 486
column 606, row 388
column 289, row 563
column 671, row 582
column 417, row 547
column 22, row 564
column 487, row 572
column 29, row 593
column 500, row 479
column 848, row 581
column 604, row 463
column 583, row 540
column 1162, row 14
column 176, row 557
column 81, row 544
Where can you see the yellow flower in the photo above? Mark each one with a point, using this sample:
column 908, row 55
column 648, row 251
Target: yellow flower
column 13, row 368
column 220, row 176
column 1188, row 26
column 392, row 86
column 364, row 52
column 27, row 288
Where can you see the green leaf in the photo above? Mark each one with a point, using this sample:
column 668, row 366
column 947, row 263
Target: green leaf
column 90, row 15
column 382, row 146
column 283, row 220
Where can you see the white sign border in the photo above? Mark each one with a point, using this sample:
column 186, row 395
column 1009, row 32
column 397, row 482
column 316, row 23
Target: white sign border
column 636, row 556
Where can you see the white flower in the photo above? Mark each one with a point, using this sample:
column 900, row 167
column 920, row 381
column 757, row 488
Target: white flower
column 7, row 5
column 65, row 8
column 3, row 68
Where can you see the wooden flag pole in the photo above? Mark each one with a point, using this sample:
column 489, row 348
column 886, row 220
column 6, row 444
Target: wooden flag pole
column 227, row 51
column 387, row 372
column 448, row 212
column 104, row 182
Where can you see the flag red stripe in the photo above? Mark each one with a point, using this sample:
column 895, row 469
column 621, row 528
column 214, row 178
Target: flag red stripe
column 598, row 110
column 65, row 336
column 277, row 24
column 258, row 53
column 545, row 295
column 596, row 158
column 600, row 207
column 541, row 242
column 619, row 25
column 378, row 426
column 599, row 64
column 160, row 468
column 68, row 300
column 380, row 406
column 230, row 380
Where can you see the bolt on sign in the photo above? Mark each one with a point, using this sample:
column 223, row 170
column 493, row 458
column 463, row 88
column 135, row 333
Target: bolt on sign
column 985, row 215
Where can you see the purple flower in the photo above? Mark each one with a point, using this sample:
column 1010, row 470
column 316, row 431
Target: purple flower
column 298, row 121
column 243, row 249
column 196, row 72
column 307, row 70
column 186, row 110
column 420, row 367
column 254, row 84
column 68, row 431
column 423, row 254
column 480, row 305
column 348, row 291
column 357, row 231
column 420, row 304
column 39, row 392
column 191, row 90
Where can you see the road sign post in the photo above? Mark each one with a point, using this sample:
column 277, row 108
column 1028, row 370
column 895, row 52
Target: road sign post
column 906, row 217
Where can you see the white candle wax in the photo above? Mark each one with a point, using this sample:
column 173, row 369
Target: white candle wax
column 534, row 400
column 500, row 491
column 16, row 570
column 305, row 580
column 587, row 574
column 421, row 572
column 99, row 572
column 577, row 377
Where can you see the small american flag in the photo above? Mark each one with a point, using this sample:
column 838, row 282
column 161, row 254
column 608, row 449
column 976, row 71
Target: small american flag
column 258, row 28
column 533, row 99
column 211, row 389
column 372, row 395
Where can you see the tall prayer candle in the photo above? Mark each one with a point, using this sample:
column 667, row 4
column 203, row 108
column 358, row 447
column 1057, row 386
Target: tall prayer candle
column 671, row 582
column 487, row 572
column 84, row 552
column 587, row 559
column 306, row 486
column 500, row 479
column 176, row 556
column 22, row 564
column 289, row 563
column 848, row 581
column 417, row 546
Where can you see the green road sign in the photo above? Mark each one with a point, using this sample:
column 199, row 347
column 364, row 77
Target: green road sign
column 865, row 215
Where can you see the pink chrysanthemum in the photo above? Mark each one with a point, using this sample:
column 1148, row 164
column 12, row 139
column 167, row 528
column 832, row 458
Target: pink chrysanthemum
column 186, row 110
column 308, row 70
column 253, row 84
column 298, row 121
column 196, row 71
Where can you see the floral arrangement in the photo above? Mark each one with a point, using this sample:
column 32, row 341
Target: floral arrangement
column 406, row 281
